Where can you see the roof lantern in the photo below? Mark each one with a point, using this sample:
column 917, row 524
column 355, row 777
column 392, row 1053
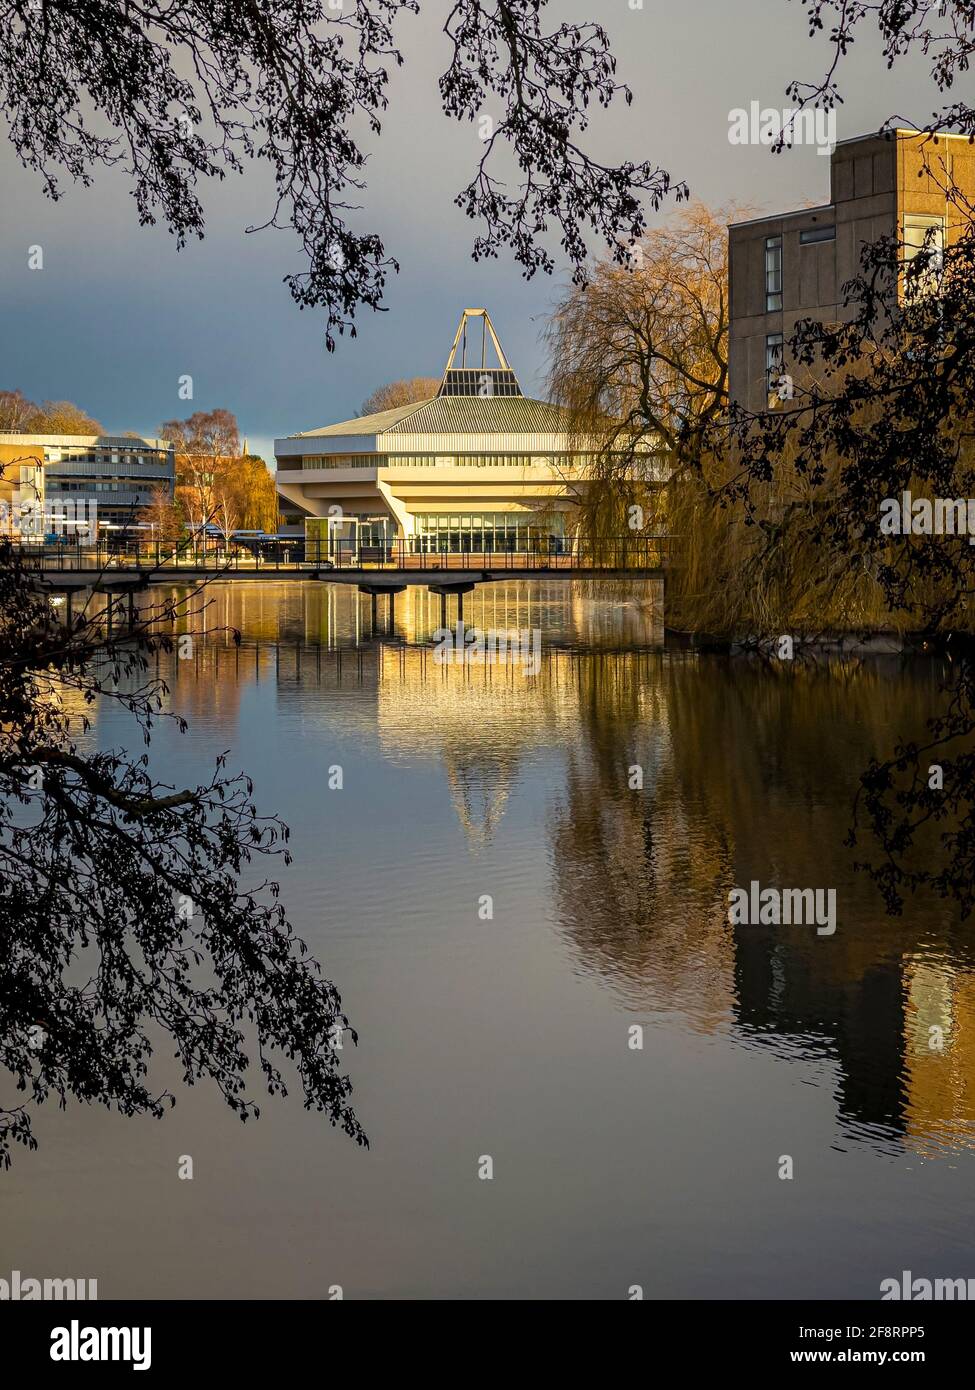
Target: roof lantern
column 474, row 380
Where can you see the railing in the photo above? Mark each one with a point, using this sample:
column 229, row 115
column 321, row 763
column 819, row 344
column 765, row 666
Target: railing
column 284, row 556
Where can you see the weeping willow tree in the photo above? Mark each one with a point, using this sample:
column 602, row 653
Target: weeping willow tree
column 749, row 568
column 639, row 357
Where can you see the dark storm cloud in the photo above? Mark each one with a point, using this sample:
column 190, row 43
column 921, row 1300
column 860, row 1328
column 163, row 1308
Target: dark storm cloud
column 116, row 317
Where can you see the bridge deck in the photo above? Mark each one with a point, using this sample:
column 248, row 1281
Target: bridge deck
column 374, row 578
column 379, row 567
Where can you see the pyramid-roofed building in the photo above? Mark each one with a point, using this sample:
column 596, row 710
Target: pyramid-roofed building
column 478, row 467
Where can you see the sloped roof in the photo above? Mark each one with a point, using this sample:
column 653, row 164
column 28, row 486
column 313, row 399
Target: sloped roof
column 457, row 415
column 362, row 424
column 459, row 407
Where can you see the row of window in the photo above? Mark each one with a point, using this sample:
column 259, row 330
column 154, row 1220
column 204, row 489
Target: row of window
column 491, row 531
column 434, row 522
column 919, row 230
column 435, row 460
column 773, row 261
column 336, row 461
column 94, row 485
column 88, row 456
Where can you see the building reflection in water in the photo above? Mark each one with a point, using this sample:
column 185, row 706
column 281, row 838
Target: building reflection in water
column 747, row 773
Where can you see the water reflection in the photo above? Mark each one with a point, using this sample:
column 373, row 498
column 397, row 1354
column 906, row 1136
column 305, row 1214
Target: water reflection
column 747, row 773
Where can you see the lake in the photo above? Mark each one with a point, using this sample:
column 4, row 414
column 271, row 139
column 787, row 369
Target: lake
column 521, row 890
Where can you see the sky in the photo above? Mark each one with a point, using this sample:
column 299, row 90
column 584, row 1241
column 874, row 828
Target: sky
column 117, row 316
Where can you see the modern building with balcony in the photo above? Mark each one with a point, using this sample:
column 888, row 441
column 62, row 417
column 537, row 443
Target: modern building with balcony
column 119, row 474
column 479, row 467
column 794, row 265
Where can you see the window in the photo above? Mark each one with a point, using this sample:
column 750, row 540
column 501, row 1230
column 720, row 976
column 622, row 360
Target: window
column 927, row 233
column 916, row 230
column 480, row 381
column 774, row 356
column 773, row 273
column 813, row 234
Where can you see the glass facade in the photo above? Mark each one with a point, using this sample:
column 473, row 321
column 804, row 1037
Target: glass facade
column 121, row 475
column 480, row 381
column 454, row 533
column 460, row 532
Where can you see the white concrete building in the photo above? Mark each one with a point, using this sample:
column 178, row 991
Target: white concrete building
column 480, row 467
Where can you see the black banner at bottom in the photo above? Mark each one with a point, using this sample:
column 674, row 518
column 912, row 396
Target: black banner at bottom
column 168, row 1339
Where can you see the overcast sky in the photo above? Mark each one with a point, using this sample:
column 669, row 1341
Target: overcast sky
column 117, row 316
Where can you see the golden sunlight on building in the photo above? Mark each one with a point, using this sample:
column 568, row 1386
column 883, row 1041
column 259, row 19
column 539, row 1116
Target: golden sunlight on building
column 478, row 468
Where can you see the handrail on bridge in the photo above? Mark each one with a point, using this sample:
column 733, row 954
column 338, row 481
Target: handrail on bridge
column 631, row 552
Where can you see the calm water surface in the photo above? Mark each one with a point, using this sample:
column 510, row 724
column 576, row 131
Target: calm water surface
column 510, row 1037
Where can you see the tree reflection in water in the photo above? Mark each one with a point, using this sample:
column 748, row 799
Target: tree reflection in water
column 748, row 772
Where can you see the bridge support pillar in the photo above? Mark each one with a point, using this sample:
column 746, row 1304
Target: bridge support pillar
column 458, row 587
column 374, row 590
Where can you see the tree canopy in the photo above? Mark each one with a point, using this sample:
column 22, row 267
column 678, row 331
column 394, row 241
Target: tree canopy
column 403, row 392
column 215, row 483
column 18, row 415
column 183, row 92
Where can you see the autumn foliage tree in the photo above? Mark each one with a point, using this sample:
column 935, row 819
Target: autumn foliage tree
column 217, row 485
column 256, row 494
column 409, row 391
column 19, row 415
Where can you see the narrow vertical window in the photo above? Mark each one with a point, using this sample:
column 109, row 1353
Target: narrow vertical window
column 774, row 356
column 773, row 273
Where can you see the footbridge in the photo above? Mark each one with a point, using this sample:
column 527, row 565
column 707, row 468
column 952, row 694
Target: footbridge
column 376, row 570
